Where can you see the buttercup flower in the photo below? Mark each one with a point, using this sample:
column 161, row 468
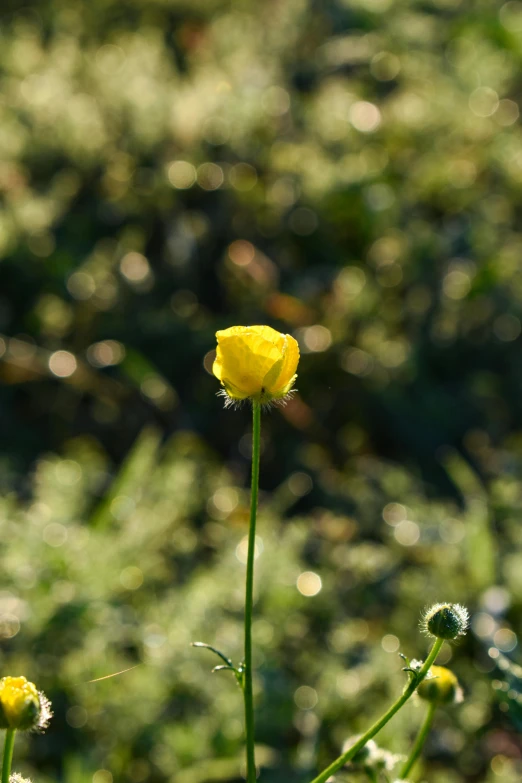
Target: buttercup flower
column 22, row 706
column 256, row 363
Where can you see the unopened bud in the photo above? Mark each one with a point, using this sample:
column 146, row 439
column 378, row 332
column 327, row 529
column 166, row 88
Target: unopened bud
column 371, row 756
column 442, row 687
column 22, row 706
column 446, row 621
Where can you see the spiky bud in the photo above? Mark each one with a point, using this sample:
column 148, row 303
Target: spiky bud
column 442, row 687
column 446, row 621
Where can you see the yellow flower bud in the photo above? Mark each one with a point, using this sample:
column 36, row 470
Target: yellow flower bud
column 21, row 705
column 256, row 363
column 441, row 686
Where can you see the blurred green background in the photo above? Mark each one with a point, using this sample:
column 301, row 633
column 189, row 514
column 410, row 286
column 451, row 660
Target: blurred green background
column 349, row 171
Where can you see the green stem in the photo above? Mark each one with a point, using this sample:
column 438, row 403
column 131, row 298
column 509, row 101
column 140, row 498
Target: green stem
column 249, row 597
column 419, row 742
column 388, row 715
column 8, row 754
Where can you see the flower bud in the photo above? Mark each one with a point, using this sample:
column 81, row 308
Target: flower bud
column 371, row 756
column 255, row 363
column 15, row 777
column 441, row 687
column 446, row 621
column 22, row 706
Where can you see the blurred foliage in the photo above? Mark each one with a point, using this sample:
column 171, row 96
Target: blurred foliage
column 104, row 573
column 349, row 171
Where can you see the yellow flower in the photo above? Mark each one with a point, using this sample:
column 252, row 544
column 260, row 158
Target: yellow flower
column 441, row 686
column 255, row 362
column 21, row 705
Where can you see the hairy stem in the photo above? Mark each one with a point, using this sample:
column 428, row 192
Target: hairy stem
column 419, row 742
column 249, row 597
column 8, row 754
column 388, row 715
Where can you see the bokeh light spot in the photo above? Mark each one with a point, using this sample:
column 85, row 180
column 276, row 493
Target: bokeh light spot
column 62, row 364
column 241, row 252
column 300, row 484
column 507, row 327
column 135, row 267
column 76, row 716
column 505, row 639
column 243, row 177
column 456, row 284
column 81, row 285
column 314, row 339
column 357, row 362
column 365, row 116
column 210, row 176
column 385, row 66
column 390, row 643
column 407, row 533
column 105, row 353
column 483, row 625
column 208, row 361
column 9, row 625
column 394, row 513
column 223, row 502
column 54, row 534
column 507, row 112
column 305, row 697
column 309, row 583
column 483, row 102
column 131, row 578
column 181, row 174
column 68, row 472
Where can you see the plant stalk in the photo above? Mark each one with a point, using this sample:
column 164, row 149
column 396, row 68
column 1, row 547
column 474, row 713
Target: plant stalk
column 249, row 596
column 8, row 754
column 420, row 740
column 388, row 715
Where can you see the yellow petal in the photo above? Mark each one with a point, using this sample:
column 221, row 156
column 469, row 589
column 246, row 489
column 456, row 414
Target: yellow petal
column 233, row 392
column 269, row 334
column 284, row 390
column 217, row 368
column 287, row 366
column 244, row 358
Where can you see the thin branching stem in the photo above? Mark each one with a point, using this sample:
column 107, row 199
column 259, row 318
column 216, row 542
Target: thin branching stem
column 388, row 715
